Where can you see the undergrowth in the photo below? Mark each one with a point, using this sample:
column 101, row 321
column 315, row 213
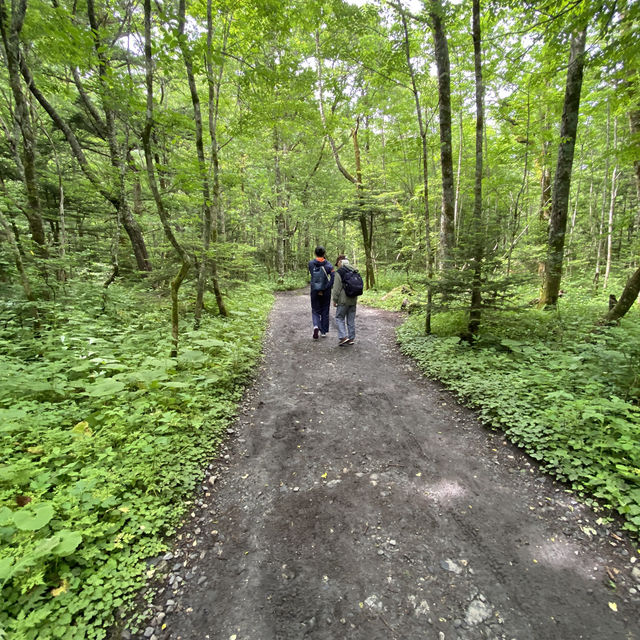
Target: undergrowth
column 103, row 438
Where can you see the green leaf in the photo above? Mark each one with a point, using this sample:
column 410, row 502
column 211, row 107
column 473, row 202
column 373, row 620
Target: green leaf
column 193, row 356
column 6, row 571
column 104, row 388
column 34, row 519
column 69, row 541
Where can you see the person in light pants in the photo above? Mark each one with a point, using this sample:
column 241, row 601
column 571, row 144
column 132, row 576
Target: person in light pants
column 345, row 306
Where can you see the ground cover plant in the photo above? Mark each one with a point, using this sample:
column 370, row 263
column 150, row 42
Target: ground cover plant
column 563, row 388
column 103, row 438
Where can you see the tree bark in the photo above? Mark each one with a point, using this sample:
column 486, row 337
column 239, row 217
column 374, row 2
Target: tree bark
column 475, row 311
column 207, row 204
column 17, row 255
column 447, row 231
column 128, row 222
column 627, row 298
column 612, row 204
column 562, row 181
column 634, row 126
column 425, row 170
column 10, row 30
column 366, row 225
column 596, row 275
column 214, row 112
column 279, row 208
column 117, row 155
column 162, row 213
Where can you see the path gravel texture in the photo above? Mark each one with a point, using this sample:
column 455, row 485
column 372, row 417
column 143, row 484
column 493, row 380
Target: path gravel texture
column 358, row 500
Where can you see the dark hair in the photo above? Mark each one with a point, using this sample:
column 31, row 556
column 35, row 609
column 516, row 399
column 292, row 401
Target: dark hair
column 340, row 257
column 320, row 252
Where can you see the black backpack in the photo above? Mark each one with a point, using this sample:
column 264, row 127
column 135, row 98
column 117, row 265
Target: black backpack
column 351, row 282
column 320, row 279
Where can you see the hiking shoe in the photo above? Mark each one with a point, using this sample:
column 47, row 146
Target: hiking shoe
column 315, row 333
column 344, row 342
column 323, row 335
column 351, row 341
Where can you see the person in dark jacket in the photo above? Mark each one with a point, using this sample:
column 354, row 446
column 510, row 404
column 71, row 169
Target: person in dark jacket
column 345, row 306
column 322, row 275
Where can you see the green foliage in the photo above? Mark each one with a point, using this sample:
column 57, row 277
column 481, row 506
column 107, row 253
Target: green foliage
column 292, row 281
column 564, row 393
column 104, row 437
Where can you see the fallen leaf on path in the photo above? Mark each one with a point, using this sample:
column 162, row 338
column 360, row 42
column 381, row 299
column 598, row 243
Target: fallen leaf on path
column 613, row 606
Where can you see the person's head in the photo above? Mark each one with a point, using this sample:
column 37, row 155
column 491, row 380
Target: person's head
column 320, row 252
column 339, row 259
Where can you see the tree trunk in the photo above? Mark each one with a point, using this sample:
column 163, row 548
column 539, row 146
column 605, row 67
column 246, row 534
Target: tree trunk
column 425, row 170
column 446, row 156
column 164, row 218
column 456, row 206
column 61, row 239
column 279, row 208
column 24, row 278
column 634, row 126
column 11, row 39
column 214, row 110
column 366, row 225
column 562, row 181
column 117, row 154
column 574, row 215
column 612, row 204
column 128, row 222
column 207, row 204
column 478, row 240
column 523, row 186
column 627, row 298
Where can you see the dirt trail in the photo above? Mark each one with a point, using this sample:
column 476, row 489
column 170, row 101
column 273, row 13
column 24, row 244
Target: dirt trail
column 360, row 501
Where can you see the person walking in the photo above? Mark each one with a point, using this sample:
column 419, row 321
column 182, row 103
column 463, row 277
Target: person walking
column 322, row 276
column 345, row 305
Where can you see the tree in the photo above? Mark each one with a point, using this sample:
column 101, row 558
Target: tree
column 562, row 181
column 627, row 298
column 10, row 29
column 478, row 239
column 447, row 230
column 425, row 166
column 207, row 203
column 185, row 258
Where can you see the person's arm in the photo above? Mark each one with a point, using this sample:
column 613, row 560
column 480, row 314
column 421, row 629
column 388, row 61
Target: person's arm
column 337, row 287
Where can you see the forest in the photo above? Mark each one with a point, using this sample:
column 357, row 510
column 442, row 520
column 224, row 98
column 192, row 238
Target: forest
column 166, row 167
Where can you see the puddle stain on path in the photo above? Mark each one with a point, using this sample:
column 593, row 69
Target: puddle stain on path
column 360, row 501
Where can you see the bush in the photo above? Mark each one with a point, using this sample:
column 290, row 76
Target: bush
column 105, row 436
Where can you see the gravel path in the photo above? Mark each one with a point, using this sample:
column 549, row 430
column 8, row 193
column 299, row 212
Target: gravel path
column 358, row 500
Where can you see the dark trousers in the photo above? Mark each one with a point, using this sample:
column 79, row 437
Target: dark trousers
column 320, row 304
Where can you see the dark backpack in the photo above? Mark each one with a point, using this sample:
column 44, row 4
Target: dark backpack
column 351, row 282
column 320, row 279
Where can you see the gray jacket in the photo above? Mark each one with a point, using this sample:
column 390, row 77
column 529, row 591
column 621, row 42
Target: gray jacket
column 337, row 294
